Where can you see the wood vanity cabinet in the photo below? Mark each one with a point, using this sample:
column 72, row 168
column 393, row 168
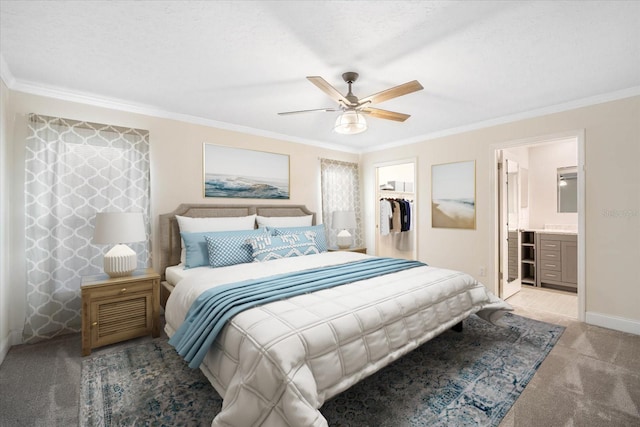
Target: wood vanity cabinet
column 557, row 260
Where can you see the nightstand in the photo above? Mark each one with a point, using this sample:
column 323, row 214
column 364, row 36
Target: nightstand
column 360, row 250
column 119, row 308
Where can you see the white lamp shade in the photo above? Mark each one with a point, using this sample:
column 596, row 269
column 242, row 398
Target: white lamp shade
column 118, row 227
column 350, row 123
column 343, row 219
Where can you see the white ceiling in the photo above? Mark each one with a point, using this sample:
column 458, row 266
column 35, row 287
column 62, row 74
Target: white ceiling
column 235, row 64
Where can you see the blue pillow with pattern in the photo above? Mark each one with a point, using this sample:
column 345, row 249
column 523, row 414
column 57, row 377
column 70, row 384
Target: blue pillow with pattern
column 321, row 238
column 269, row 247
column 195, row 245
column 224, row 250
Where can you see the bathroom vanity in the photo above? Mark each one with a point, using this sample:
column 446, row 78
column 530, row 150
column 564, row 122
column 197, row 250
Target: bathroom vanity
column 550, row 259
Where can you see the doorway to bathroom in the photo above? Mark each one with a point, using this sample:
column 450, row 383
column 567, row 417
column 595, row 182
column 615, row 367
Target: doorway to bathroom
column 539, row 217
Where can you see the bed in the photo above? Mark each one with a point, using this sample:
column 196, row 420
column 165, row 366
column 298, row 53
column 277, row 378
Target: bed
column 275, row 364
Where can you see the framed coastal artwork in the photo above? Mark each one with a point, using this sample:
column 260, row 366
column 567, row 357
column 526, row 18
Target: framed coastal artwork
column 245, row 174
column 453, row 195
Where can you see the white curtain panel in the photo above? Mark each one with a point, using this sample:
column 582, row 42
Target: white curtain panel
column 340, row 183
column 74, row 170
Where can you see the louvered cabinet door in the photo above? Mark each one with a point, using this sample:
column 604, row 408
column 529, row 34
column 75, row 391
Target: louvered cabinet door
column 118, row 309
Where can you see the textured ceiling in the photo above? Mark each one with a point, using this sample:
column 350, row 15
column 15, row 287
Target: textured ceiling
column 238, row 63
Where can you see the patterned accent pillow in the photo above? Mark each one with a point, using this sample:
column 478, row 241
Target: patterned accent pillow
column 231, row 249
column 189, row 224
column 321, row 238
column 266, row 248
column 195, row 245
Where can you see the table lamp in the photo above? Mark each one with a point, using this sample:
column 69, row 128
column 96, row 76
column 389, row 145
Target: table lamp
column 343, row 220
column 118, row 228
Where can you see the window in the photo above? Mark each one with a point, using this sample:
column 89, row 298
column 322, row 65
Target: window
column 340, row 192
column 74, row 170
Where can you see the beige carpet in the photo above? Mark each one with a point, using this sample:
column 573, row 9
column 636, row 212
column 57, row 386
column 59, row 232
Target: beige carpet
column 590, row 378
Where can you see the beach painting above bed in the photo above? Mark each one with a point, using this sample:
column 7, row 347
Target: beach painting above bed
column 453, row 195
column 246, row 174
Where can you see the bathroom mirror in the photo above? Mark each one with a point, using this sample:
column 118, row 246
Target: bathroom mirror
column 568, row 189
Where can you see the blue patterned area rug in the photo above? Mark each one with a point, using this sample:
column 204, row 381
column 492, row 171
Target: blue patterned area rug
column 463, row 379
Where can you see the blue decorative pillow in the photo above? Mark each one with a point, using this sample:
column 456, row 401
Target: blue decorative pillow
column 321, row 239
column 266, row 248
column 231, row 249
column 195, row 244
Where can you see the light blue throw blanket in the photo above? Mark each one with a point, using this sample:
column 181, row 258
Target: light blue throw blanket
column 213, row 308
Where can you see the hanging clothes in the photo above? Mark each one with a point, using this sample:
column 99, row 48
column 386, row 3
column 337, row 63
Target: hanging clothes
column 386, row 214
column 395, row 215
column 396, row 225
column 406, row 219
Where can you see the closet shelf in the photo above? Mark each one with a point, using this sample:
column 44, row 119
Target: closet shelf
column 395, row 195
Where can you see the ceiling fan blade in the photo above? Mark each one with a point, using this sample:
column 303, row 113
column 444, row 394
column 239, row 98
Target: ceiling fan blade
column 329, row 90
column 285, row 113
column 384, row 114
column 394, row 92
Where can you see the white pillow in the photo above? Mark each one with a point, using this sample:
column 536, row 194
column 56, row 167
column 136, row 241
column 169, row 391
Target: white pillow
column 189, row 224
column 284, row 221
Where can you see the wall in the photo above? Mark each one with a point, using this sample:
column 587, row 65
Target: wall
column 612, row 192
column 544, row 161
column 612, row 212
column 176, row 173
column 5, row 181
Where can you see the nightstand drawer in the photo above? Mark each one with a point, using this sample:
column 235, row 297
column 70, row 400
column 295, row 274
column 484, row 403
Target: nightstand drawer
column 122, row 290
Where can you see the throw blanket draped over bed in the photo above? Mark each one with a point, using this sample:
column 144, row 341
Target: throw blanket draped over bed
column 213, row 308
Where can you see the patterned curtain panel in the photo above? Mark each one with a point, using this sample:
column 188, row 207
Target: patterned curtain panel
column 74, row 170
column 340, row 192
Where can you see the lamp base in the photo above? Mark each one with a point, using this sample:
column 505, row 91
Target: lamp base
column 344, row 240
column 120, row 261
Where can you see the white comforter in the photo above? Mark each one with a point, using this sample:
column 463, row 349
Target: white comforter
column 276, row 364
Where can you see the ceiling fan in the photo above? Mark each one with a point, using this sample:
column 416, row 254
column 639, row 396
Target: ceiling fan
column 352, row 120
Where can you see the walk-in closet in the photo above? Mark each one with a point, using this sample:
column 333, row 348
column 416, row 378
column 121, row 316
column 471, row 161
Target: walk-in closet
column 396, row 210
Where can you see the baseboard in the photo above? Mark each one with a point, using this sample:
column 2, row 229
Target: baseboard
column 13, row 338
column 612, row 322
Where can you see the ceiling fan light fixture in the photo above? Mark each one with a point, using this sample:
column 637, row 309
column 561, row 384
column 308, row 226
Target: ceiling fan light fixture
column 350, row 123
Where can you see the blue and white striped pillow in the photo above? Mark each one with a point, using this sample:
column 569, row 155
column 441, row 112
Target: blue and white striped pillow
column 267, row 247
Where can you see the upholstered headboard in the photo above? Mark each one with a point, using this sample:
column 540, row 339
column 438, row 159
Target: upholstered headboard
column 170, row 246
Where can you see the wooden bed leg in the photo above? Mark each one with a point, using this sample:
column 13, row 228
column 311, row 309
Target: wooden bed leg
column 457, row 327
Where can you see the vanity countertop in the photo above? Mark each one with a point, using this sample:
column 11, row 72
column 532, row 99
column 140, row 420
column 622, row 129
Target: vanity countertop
column 551, row 231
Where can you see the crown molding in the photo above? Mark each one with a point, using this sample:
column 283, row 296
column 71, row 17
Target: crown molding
column 5, row 73
column 558, row 108
column 148, row 110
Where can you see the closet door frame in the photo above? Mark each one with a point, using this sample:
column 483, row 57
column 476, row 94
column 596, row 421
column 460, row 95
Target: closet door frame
column 413, row 195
